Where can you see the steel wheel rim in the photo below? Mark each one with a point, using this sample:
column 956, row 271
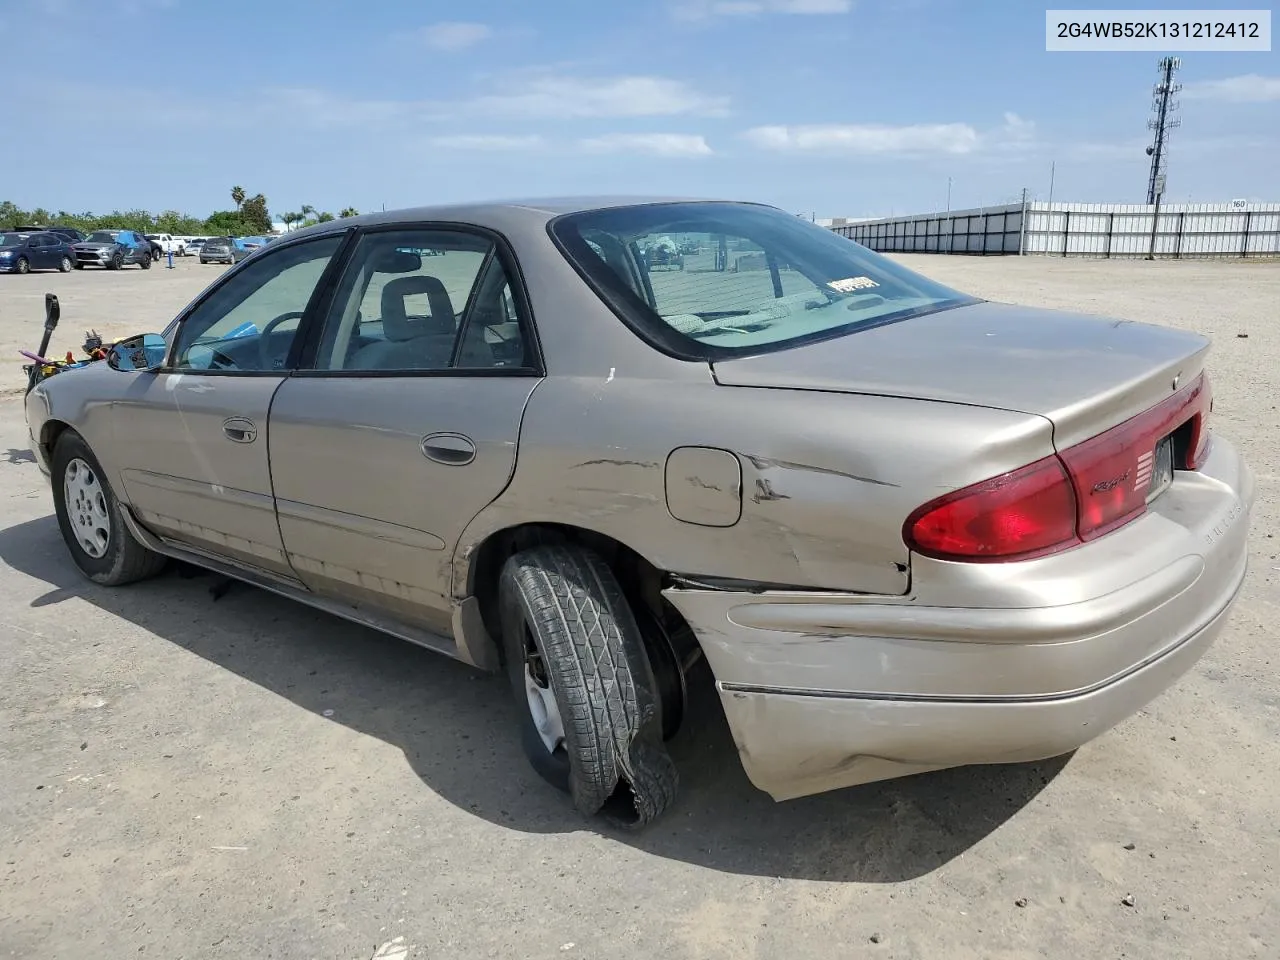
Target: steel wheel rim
column 66, row 264
column 23, row 266
column 542, row 701
column 86, row 503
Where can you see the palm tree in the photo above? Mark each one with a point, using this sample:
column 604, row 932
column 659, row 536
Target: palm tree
column 349, row 212
column 308, row 210
column 237, row 196
column 289, row 219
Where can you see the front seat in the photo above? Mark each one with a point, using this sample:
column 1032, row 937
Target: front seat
column 411, row 343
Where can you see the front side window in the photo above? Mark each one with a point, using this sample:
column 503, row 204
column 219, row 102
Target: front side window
column 708, row 279
column 248, row 324
column 423, row 300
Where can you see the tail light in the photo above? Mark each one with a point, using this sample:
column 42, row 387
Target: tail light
column 1062, row 501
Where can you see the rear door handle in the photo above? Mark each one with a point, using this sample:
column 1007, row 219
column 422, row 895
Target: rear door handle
column 449, row 448
column 240, row 429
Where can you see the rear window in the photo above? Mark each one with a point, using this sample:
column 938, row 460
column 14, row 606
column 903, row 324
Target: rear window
column 714, row 279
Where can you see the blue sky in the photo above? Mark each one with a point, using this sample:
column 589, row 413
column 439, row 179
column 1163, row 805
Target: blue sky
column 837, row 107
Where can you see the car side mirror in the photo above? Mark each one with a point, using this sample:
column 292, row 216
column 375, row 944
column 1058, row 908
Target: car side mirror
column 146, row 351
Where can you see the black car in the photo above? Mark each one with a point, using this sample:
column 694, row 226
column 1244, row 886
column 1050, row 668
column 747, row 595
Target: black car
column 113, row 249
column 23, row 252
column 70, row 234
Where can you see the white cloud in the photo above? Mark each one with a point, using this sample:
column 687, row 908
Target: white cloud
column 659, row 144
column 1248, row 88
column 866, row 139
column 453, row 35
column 707, row 9
column 562, row 98
column 1017, row 130
column 486, row 141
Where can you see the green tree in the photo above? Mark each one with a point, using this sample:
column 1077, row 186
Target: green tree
column 349, row 212
column 237, row 196
column 324, row 216
column 254, row 215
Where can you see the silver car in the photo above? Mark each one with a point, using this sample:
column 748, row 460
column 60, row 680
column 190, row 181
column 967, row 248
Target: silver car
column 905, row 528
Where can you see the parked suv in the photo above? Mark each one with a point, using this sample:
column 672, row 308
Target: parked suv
column 113, row 249
column 223, row 250
column 23, row 252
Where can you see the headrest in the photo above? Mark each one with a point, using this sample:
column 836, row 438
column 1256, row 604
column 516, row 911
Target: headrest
column 396, row 324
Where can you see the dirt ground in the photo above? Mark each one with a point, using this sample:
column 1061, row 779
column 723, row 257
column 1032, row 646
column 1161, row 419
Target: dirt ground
column 188, row 777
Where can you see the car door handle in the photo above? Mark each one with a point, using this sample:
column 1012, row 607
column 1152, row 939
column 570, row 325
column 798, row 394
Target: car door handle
column 240, row 429
column 449, row 448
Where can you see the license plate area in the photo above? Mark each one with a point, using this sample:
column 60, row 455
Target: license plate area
column 1159, row 468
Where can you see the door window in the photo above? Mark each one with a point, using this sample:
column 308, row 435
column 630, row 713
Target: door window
column 249, row 323
column 423, row 300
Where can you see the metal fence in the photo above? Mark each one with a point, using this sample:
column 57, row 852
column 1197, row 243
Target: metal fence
column 1186, row 230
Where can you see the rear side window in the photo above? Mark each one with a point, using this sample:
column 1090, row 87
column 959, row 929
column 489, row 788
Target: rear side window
column 424, row 300
column 708, row 279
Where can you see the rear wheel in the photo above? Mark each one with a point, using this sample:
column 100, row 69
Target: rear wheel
column 91, row 519
column 64, row 265
column 575, row 658
column 145, row 263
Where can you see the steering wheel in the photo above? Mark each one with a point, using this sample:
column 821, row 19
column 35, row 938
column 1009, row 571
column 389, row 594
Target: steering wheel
column 264, row 357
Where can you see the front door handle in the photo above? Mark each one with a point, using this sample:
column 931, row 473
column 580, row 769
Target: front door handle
column 240, row 429
column 450, row 448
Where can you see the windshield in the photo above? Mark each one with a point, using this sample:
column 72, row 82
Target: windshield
column 12, row 239
column 101, row 236
column 708, row 279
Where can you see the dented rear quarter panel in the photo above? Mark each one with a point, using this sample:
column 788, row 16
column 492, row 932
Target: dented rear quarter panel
column 827, row 480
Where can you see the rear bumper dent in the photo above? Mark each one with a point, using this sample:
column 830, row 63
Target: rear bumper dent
column 792, row 746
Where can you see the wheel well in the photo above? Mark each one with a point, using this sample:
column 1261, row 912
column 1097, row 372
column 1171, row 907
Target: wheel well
column 641, row 581
column 49, row 434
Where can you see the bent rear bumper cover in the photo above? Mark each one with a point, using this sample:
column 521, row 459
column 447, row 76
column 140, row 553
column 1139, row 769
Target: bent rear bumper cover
column 823, row 692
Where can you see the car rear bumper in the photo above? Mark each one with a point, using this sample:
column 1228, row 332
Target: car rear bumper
column 824, row 691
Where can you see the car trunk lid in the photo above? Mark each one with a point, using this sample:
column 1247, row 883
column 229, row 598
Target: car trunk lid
column 1084, row 373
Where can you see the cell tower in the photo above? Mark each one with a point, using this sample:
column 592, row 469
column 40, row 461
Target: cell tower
column 1163, row 106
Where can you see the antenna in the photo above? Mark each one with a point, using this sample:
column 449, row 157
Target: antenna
column 1163, row 106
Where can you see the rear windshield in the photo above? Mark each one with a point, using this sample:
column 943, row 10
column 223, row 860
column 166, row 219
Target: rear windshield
column 708, row 279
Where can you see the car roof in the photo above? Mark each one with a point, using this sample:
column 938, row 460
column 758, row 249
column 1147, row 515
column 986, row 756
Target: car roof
column 498, row 213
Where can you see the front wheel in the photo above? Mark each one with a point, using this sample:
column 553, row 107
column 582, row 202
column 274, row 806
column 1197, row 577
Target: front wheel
column 586, row 695
column 64, row 265
column 24, row 265
column 91, row 519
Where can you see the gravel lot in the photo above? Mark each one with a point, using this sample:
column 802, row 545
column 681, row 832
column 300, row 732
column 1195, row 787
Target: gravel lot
column 243, row 778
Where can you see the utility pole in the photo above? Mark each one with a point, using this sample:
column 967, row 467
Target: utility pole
column 1164, row 107
column 948, row 194
column 1022, row 232
column 1053, row 169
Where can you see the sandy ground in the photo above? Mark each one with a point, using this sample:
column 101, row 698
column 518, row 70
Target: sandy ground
column 184, row 777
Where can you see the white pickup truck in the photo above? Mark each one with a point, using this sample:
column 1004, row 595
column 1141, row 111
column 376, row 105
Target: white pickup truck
column 169, row 243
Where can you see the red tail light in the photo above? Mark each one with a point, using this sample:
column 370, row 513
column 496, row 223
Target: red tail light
column 1061, row 501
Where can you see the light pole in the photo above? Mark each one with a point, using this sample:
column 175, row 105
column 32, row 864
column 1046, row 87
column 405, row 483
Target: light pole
column 948, row 194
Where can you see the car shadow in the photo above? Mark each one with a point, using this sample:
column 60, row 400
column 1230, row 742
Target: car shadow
column 456, row 727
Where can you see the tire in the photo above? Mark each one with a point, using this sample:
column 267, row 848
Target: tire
column 64, row 265
column 119, row 558
column 79, row 265
column 568, row 631
column 145, row 263
column 24, row 265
